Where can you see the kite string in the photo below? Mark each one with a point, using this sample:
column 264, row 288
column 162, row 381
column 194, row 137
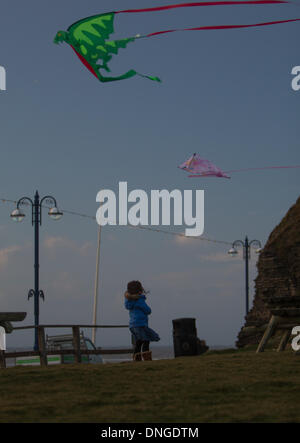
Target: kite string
column 148, row 228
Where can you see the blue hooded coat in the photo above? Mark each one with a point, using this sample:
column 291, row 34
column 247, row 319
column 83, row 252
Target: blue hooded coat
column 138, row 312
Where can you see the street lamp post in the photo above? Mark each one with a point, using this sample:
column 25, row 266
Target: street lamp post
column 246, row 245
column 18, row 215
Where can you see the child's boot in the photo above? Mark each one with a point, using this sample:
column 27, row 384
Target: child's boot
column 137, row 356
column 147, row 356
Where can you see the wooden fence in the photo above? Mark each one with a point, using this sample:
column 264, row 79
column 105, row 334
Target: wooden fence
column 76, row 351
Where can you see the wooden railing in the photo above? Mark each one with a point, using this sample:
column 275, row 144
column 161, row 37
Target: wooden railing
column 76, row 351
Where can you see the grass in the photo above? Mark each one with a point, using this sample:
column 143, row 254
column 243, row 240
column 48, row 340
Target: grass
column 231, row 386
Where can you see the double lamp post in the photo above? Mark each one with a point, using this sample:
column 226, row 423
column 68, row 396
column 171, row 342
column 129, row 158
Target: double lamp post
column 246, row 245
column 36, row 214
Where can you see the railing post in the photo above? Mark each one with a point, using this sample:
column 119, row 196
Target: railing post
column 76, row 343
column 284, row 340
column 268, row 333
column 42, row 346
column 2, row 360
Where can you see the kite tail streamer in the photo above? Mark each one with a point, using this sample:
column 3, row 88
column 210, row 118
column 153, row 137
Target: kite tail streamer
column 150, row 77
column 193, row 4
column 128, row 74
column 265, row 167
column 247, row 169
column 209, row 175
column 208, row 28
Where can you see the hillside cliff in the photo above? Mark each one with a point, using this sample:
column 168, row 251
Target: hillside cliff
column 278, row 273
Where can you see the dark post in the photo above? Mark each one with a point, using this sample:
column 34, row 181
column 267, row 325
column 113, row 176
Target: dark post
column 36, row 267
column 246, row 251
column 185, row 338
column 2, row 360
column 76, row 343
column 42, row 345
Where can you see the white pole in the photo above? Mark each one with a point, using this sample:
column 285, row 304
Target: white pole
column 96, row 286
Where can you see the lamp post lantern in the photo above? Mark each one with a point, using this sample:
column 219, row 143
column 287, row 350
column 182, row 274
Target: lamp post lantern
column 246, row 245
column 36, row 214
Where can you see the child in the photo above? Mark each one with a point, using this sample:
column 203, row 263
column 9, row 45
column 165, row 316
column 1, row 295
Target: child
column 138, row 325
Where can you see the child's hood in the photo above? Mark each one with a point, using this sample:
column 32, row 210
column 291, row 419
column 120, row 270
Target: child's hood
column 130, row 303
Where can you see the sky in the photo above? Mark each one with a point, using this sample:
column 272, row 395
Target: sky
column 224, row 94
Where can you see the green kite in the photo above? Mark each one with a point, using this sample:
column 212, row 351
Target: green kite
column 89, row 37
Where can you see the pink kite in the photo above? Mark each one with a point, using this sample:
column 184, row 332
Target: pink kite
column 200, row 167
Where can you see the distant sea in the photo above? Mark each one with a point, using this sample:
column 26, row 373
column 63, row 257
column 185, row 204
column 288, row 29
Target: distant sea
column 158, row 353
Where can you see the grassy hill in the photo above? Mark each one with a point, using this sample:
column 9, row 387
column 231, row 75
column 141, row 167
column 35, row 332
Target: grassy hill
column 220, row 386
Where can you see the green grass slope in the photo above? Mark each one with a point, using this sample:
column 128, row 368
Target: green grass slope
column 235, row 386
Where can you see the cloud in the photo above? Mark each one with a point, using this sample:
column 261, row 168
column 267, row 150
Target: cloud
column 176, row 279
column 52, row 244
column 6, row 253
column 65, row 283
column 57, row 242
column 182, row 240
column 192, row 243
column 221, row 257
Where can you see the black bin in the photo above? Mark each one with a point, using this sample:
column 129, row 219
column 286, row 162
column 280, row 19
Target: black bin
column 185, row 337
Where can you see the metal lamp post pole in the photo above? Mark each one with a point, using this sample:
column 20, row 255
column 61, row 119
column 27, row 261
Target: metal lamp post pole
column 96, row 286
column 36, row 207
column 36, row 267
column 246, row 245
column 246, row 253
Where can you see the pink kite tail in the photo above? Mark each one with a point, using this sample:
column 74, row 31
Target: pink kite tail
column 265, row 167
column 209, row 175
column 242, row 170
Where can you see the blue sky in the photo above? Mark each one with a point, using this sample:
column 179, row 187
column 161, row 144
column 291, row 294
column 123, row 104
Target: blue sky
column 224, row 94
